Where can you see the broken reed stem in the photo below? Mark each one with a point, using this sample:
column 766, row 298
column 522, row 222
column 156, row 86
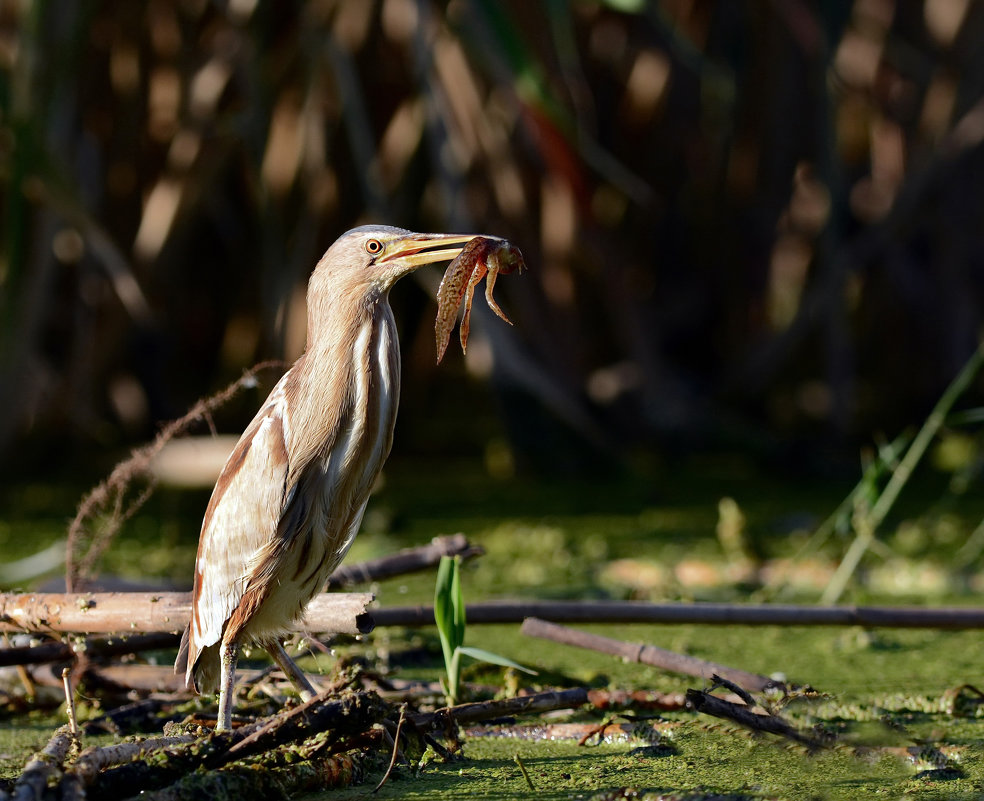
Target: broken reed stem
column 108, row 496
column 950, row 618
column 522, row 769
column 644, row 654
column 73, row 722
column 348, row 715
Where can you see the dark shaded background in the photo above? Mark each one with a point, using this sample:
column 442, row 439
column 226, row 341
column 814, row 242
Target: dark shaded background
column 750, row 225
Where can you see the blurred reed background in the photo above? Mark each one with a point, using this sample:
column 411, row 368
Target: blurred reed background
column 749, row 224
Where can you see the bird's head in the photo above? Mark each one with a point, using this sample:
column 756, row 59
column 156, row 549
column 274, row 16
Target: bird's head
column 378, row 255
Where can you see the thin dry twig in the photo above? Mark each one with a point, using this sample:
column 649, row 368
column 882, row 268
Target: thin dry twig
column 742, row 714
column 737, row 689
column 109, row 498
column 396, row 749
column 409, row 560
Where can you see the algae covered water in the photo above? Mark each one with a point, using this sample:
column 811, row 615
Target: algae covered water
column 902, row 706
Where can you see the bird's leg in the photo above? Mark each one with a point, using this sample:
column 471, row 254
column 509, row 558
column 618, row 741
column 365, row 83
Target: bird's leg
column 291, row 670
column 228, row 655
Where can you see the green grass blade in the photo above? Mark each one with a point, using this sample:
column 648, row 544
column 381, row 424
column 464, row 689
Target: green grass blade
column 493, row 659
column 457, row 603
column 867, row 532
column 443, row 609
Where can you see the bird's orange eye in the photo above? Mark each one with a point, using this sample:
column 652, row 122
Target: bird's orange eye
column 373, row 246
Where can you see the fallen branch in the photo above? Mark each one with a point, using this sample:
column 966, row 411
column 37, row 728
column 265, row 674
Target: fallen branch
column 130, row 613
column 951, row 618
column 406, row 561
column 409, row 560
column 133, row 612
column 93, row 760
column 644, row 654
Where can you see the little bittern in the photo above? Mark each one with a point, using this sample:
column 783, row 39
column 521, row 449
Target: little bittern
column 290, row 498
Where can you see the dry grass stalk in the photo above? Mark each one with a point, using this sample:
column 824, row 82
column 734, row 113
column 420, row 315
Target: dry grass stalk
column 109, row 499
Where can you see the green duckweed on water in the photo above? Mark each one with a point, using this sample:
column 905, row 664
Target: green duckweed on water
column 893, row 697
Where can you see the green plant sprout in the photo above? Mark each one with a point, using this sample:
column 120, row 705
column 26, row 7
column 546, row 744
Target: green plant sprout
column 449, row 616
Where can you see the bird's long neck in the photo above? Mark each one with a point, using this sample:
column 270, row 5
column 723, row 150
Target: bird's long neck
column 343, row 398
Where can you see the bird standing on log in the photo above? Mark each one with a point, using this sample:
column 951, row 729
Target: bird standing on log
column 289, row 500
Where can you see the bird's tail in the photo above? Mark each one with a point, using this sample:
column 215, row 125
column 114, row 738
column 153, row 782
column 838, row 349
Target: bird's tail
column 181, row 663
column 202, row 675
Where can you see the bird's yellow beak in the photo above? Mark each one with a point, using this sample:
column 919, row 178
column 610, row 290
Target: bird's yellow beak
column 415, row 250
